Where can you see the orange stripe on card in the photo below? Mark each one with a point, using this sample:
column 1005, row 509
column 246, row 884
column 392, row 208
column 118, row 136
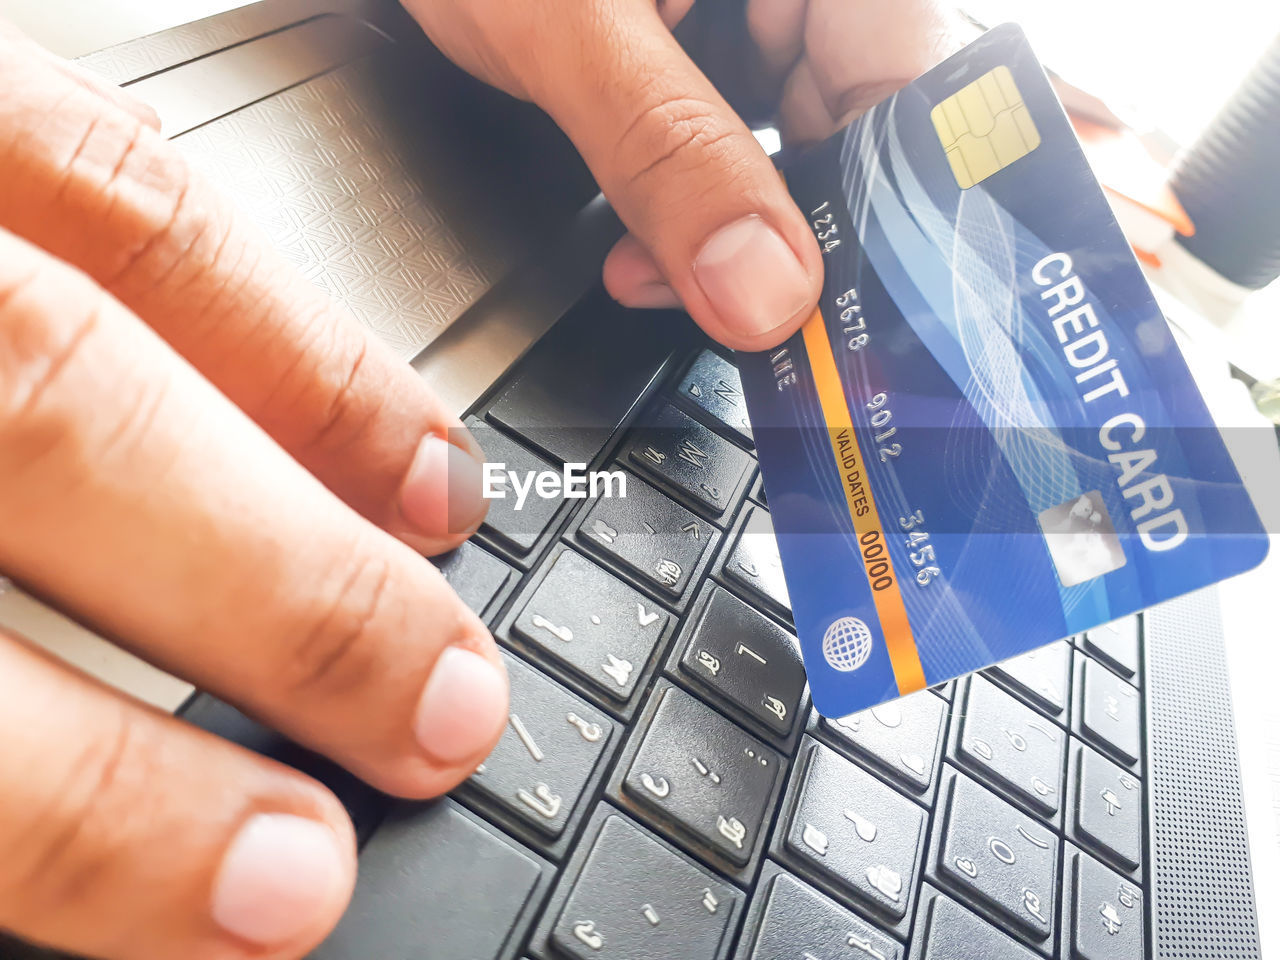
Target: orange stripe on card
column 898, row 640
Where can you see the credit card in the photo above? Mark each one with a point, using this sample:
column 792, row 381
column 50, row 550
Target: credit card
column 985, row 439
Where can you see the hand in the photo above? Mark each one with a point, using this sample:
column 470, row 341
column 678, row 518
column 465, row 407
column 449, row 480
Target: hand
column 712, row 225
column 181, row 420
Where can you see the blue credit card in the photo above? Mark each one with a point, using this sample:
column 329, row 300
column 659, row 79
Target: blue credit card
column 985, row 439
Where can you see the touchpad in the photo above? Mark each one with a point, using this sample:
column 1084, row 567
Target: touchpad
column 396, row 182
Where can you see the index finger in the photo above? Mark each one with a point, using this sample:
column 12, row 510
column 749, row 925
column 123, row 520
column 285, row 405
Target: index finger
column 859, row 52
column 137, row 497
column 99, row 188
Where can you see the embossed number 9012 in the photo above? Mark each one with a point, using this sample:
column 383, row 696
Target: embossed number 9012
column 880, row 417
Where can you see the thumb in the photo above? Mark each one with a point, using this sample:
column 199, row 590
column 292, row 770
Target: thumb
column 708, row 212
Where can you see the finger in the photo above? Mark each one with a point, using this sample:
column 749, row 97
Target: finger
column 803, row 116
column 206, row 549
column 777, row 27
column 683, row 171
column 634, row 279
column 190, row 265
column 91, row 82
column 862, row 51
column 108, row 92
column 128, row 835
column 673, row 11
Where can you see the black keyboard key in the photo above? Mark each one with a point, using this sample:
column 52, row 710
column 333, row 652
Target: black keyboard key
column 649, row 534
column 1109, row 711
column 758, row 492
column 516, row 523
column 948, row 931
column 714, row 387
column 682, row 455
column 701, row 771
column 435, row 874
column 365, row 805
column 999, row 857
column 900, row 738
column 1039, row 676
column 854, row 833
column 637, row 899
column 1009, row 745
column 745, row 658
column 580, row 381
column 1102, row 912
column 755, row 565
column 594, row 623
column 552, row 742
column 1107, row 807
column 476, row 575
column 794, row 921
column 1116, row 644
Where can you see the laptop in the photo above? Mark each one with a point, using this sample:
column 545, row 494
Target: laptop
column 664, row 788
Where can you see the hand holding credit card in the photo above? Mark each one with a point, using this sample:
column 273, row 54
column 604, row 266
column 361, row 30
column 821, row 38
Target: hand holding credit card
column 985, row 439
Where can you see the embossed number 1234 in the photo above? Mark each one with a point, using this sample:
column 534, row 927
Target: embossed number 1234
column 824, row 227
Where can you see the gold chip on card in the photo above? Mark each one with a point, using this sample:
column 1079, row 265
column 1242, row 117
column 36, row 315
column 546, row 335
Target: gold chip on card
column 984, row 127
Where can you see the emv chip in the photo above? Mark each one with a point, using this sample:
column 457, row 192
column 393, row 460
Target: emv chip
column 984, row 127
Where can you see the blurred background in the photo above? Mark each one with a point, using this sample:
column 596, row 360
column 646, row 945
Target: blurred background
column 1164, row 64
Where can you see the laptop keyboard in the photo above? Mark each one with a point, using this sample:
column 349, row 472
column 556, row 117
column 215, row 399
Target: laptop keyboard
column 663, row 788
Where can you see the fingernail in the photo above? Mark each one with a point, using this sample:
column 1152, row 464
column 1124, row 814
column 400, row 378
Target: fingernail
column 441, row 494
column 463, row 706
column 281, row 878
column 751, row 277
column 651, row 296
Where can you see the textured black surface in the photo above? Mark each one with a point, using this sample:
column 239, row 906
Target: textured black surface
column 1116, row 645
column 572, row 391
column 1107, row 807
column 712, row 388
column 950, row 932
column 651, row 535
column 628, row 895
column 999, row 858
column 852, row 833
column 746, row 659
column 789, row 919
column 1006, row 743
column 539, row 770
column 365, row 805
column 1110, row 712
column 690, row 461
column 704, row 773
column 902, row 739
column 1040, row 677
column 402, row 900
column 1102, row 912
column 593, row 622
column 478, row 577
column 754, row 565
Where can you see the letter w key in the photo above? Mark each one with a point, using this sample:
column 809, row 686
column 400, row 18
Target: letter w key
column 690, row 452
